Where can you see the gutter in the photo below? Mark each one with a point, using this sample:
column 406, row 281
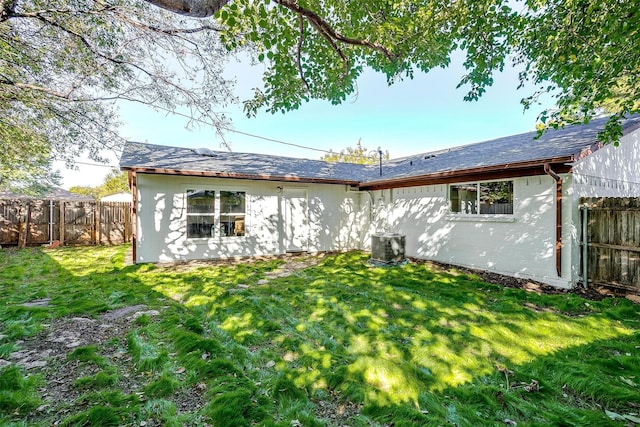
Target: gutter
column 511, row 170
column 234, row 175
column 558, row 180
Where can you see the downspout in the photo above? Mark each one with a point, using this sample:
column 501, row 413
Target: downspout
column 558, row 179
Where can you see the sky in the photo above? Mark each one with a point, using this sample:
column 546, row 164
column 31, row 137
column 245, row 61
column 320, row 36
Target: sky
column 412, row 116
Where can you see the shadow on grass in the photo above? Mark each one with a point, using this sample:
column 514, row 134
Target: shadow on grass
column 408, row 345
column 395, row 338
column 161, row 358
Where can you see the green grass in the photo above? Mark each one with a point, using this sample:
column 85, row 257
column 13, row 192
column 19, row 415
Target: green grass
column 407, row 346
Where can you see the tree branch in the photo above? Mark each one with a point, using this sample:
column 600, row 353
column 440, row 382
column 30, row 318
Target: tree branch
column 206, row 8
column 300, row 41
column 193, row 8
column 328, row 31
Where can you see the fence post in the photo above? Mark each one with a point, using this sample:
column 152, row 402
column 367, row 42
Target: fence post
column 585, row 246
column 99, row 221
column 127, row 223
column 62, row 220
column 23, row 226
column 94, row 229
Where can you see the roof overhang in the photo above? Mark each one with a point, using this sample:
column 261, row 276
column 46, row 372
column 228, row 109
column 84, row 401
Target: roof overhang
column 233, row 175
column 513, row 170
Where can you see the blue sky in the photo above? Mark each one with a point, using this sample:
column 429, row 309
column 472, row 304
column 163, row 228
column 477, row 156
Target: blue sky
column 411, row 116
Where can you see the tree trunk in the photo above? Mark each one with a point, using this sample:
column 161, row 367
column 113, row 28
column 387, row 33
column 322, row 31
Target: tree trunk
column 193, row 8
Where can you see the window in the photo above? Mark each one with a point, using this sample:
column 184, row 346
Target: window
column 202, row 220
column 492, row 198
column 201, row 213
column 232, row 212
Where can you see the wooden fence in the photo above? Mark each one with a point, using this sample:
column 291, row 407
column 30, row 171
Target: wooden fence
column 611, row 242
column 26, row 222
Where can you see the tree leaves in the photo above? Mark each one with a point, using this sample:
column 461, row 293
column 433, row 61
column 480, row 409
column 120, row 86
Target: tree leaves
column 583, row 52
column 65, row 63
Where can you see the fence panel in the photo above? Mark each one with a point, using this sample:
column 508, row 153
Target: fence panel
column 35, row 222
column 611, row 251
column 115, row 223
column 9, row 222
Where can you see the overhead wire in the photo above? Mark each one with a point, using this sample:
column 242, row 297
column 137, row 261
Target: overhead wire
column 229, row 129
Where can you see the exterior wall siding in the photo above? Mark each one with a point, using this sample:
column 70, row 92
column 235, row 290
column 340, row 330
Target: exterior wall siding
column 611, row 171
column 335, row 219
column 521, row 245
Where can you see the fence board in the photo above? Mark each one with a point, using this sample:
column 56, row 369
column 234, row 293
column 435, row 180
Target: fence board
column 613, row 242
column 28, row 222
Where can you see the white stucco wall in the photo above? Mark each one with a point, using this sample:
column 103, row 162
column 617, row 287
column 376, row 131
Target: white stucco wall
column 335, row 219
column 521, row 245
column 611, row 171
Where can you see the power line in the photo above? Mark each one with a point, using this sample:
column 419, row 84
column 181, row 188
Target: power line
column 228, row 129
column 96, row 164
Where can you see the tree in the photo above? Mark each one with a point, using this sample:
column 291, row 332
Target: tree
column 581, row 51
column 114, row 182
column 25, row 165
column 64, row 65
column 358, row 154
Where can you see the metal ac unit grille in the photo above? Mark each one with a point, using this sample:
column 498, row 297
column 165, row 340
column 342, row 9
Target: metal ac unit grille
column 387, row 247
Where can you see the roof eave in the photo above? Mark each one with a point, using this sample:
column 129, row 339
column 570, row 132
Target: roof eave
column 502, row 171
column 233, row 175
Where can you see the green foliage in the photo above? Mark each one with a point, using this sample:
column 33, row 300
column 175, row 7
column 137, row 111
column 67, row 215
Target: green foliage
column 64, row 65
column 96, row 416
column 87, row 354
column 164, row 386
column 147, row 356
column 582, row 52
column 358, row 154
column 114, row 182
column 18, row 393
column 236, row 408
column 409, row 345
column 102, row 379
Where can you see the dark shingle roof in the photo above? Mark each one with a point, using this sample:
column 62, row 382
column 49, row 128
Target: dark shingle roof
column 149, row 156
column 569, row 141
column 553, row 144
column 55, row 193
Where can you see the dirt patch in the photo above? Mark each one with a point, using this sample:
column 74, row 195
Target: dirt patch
column 47, row 354
column 62, row 336
column 335, row 411
column 295, row 263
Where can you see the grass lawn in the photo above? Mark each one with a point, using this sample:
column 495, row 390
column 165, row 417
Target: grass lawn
column 332, row 342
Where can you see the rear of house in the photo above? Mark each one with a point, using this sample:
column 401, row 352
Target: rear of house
column 508, row 205
column 191, row 205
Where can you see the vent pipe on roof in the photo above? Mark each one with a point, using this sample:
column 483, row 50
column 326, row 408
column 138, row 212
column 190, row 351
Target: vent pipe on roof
column 380, row 154
column 205, row 152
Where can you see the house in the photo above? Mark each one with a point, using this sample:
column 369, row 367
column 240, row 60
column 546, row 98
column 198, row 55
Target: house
column 509, row 205
column 54, row 193
column 122, row 197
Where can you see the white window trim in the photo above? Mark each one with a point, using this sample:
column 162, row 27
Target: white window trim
column 217, row 237
column 455, row 217
column 478, row 217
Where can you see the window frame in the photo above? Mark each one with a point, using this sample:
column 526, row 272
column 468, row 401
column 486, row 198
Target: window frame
column 211, row 213
column 217, row 214
column 478, row 214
